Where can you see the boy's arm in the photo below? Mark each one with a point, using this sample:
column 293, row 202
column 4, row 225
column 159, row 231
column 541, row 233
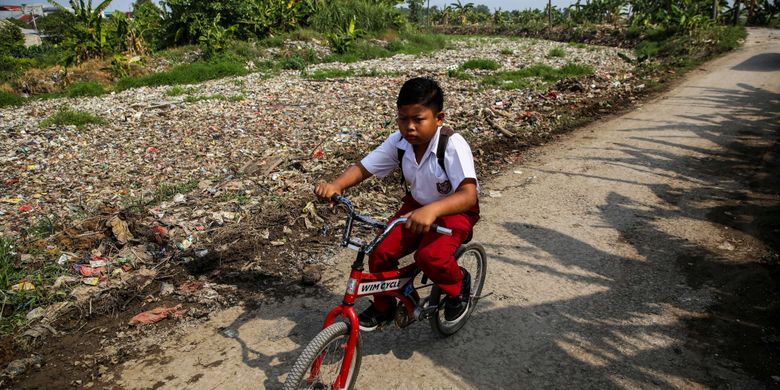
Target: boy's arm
column 353, row 175
column 463, row 199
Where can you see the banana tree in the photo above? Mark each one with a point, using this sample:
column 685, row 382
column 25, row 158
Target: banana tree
column 87, row 38
column 463, row 11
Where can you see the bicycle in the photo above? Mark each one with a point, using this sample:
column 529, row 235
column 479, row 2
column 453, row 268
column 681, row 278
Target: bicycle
column 336, row 351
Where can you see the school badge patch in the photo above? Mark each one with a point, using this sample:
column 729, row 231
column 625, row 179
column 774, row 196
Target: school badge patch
column 444, row 187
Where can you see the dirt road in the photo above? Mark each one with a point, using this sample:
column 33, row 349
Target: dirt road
column 611, row 256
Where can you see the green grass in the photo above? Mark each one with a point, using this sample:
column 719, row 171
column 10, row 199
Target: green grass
column 14, row 306
column 178, row 91
column 556, row 52
column 186, row 74
column 523, row 78
column 84, row 89
column 459, row 74
column 578, row 45
column 10, row 100
column 166, row 191
column 507, row 52
column 237, row 197
column 480, row 63
column 65, row 117
column 43, row 228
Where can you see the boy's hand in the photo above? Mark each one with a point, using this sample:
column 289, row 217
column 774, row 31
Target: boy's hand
column 420, row 220
column 327, row 190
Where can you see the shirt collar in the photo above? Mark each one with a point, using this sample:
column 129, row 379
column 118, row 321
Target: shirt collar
column 432, row 145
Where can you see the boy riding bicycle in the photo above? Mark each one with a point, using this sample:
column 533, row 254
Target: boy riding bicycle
column 441, row 190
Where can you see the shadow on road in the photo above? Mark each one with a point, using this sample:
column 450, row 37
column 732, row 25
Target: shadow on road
column 591, row 341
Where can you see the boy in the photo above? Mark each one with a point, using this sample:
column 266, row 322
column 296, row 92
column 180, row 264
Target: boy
column 447, row 197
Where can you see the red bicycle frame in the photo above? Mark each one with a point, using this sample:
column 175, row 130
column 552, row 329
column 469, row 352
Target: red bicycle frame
column 396, row 283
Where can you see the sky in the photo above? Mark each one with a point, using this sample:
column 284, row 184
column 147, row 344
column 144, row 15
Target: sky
column 125, row 5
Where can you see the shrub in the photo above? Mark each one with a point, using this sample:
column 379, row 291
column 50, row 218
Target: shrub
column 65, row 117
column 371, row 16
column 11, row 38
column 11, row 67
column 9, row 99
column 295, row 62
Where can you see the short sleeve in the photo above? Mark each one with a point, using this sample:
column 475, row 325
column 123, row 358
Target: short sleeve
column 459, row 160
column 384, row 159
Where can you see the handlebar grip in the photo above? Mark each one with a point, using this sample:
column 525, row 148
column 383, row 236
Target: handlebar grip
column 441, row 230
column 337, row 198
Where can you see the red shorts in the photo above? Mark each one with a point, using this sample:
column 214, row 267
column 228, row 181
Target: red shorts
column 434, row 251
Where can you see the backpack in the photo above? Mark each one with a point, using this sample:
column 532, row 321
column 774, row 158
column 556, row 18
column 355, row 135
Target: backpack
column 444, row 135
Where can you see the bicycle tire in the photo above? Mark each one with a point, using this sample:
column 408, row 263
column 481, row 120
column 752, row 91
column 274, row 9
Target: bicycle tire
column 437, row 321
column 300, row 370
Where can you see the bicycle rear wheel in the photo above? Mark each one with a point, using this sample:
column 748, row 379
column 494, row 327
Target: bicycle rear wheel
column 330, row 344
column 473, row 259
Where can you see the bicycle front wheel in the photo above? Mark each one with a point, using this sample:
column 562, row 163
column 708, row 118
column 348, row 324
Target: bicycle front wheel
column 330, row 346
column 473, row 259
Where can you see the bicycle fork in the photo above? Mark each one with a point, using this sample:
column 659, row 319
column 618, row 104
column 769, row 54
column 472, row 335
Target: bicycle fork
column 347, row 311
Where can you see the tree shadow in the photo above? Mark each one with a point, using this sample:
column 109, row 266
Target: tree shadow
column 764, row 62
column 651, row 309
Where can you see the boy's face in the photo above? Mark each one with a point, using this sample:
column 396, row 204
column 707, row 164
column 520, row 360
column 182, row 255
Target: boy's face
column 418, row 123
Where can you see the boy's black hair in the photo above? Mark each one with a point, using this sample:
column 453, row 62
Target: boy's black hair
column 424, row 91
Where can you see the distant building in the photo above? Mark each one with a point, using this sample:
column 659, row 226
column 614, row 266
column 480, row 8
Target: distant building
column 25, row 12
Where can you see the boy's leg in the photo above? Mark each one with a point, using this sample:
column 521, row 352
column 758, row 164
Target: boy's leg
column 435, row 255
column 399, row 243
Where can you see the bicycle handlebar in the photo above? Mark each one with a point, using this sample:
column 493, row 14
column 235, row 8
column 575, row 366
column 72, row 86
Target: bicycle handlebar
column 352, row 215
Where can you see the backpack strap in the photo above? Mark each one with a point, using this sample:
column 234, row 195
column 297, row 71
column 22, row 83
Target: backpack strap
column 441, row 148
column 401, row 153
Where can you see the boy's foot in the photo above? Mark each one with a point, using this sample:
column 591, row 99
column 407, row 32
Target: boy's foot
column 455, row 308
column 370, row 319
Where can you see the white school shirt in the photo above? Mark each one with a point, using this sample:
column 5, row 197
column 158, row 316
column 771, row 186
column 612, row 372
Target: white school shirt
column 427, row 181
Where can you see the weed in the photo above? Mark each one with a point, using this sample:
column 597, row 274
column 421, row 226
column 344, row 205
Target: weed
column 186, row 74
column 507, row 52
column 15, row 305
column 324, row 74
column 43, row 228
column 167, row 191
column 86, row 88
column 459, row 74
column 8, row 99
column 295, row 62
column 175, row 91
column 517, row 79
column 235, row 197
column 578, row 45
column 480, row 63
column 556, row 52
column 65, row 117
